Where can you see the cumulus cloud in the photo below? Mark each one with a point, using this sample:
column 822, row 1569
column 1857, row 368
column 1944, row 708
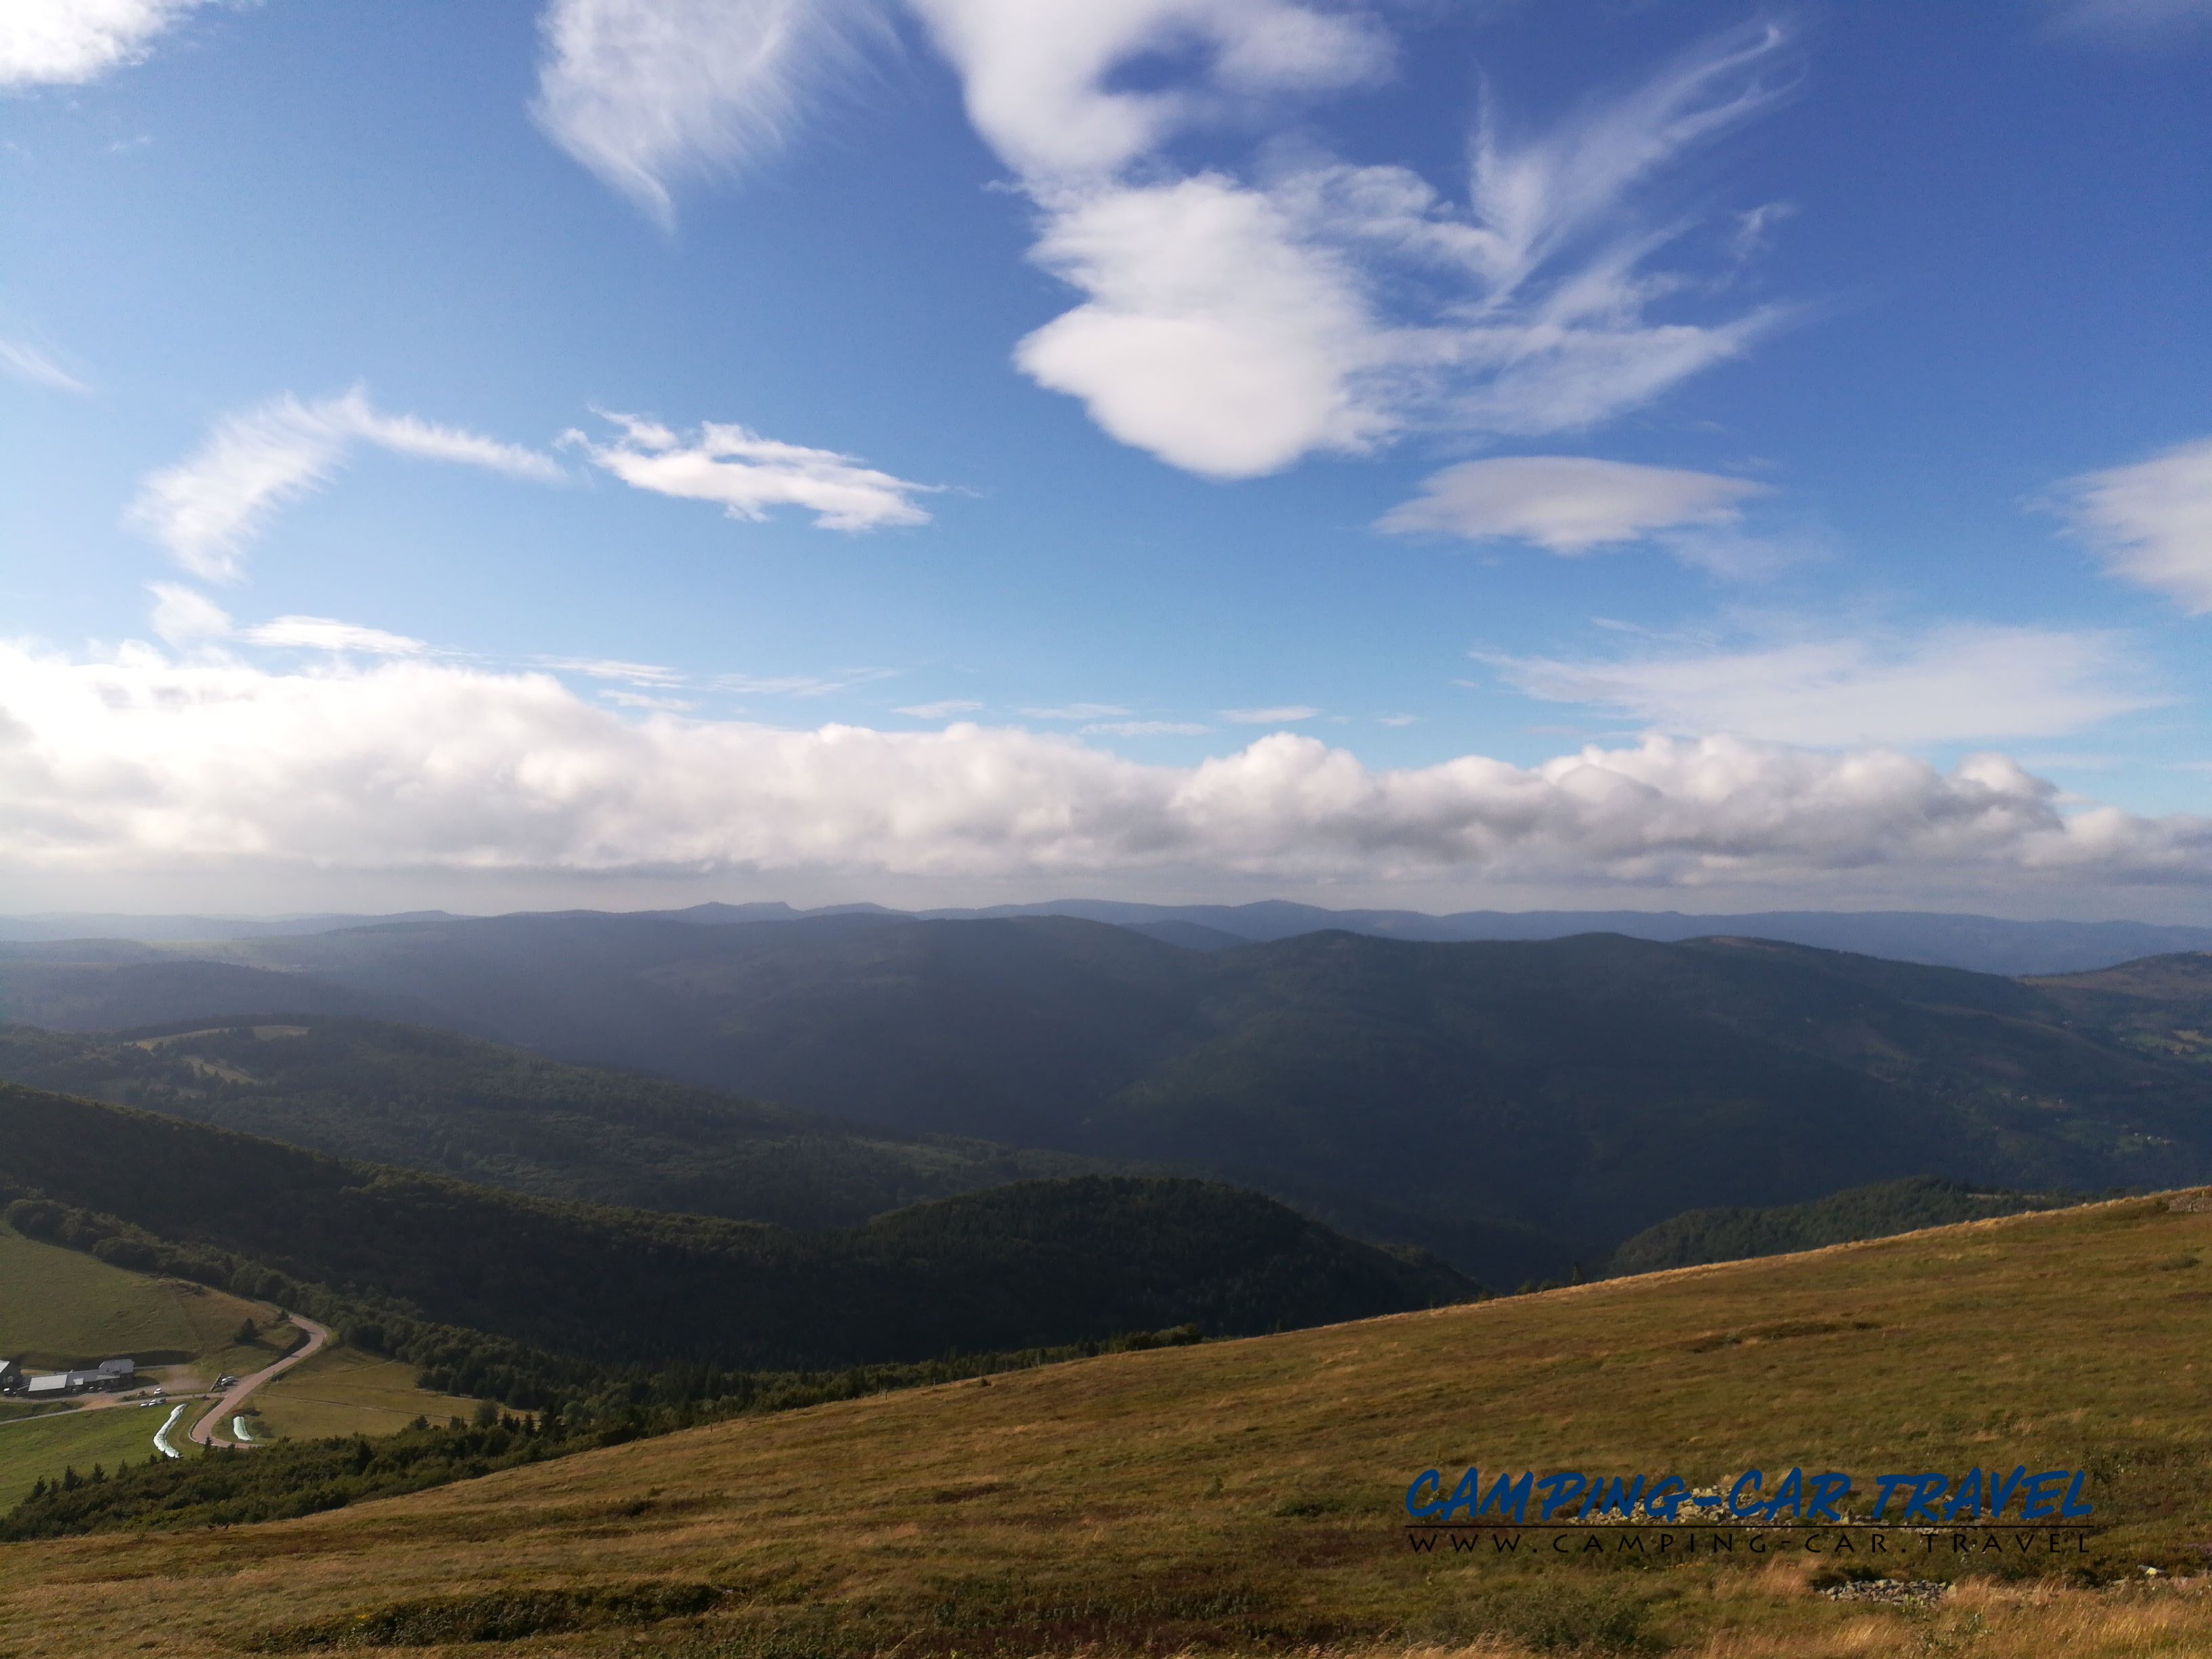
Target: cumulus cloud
column 208, row 508
column 1950, row 685
column 2152, row 522
column 412, row 764
column 1566, row 503
column 1230, row 327
column 747, row 474
column 71, row 42
column 646, row 92
column 23, row 361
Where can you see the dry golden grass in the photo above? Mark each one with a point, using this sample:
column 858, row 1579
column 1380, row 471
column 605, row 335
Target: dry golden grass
column 1245, row 1496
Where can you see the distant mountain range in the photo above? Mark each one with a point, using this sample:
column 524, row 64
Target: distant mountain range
column 1515, row 1107
column 1988, row 944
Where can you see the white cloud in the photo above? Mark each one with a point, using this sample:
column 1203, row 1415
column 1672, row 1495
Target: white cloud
column 1231, row 327
column 2152, row 522
column 1567, row 503
column 23, row 361
column 639, row 699
column 183, row 615
column 323, row 633
column 605, row 668
column 938, row 711
column 144, row 764
column 748, row 474
column 1398, row 719
column 646, row 92
column 208, row 508
column 1144, row 729
column 71, row 42
column 1077, row 711
column 804, row 685
column 1275, row 716
column 1949, row 685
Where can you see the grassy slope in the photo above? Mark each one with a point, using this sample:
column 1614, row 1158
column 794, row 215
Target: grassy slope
column 428, row 1099
column 344, row 1391
column 1250, row 1492
column 41, row 1448
column 60, row 1307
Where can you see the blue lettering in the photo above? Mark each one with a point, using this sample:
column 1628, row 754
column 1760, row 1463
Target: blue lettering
column 1501, row 1490
column 1824, row 1493
column 1661, row 1498
column 1558, row 1489
column 1926, row 1489
column 1433, row 1481
column 1789, row 1495
column 2040, row 1504
column 1622, row 1497
column 1751, row 1477
column 1468, row 1489
column 2071, row 1508
column 1888, row 1484
column 2001, row 1492
column 1967, row 1500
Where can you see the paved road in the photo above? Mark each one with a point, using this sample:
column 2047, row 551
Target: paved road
column 202, row 1433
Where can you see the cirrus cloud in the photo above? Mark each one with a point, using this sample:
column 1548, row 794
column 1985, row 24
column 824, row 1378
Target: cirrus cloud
column 143, row 763
column 2151, row 522
column 746, row 474
column 208, row 508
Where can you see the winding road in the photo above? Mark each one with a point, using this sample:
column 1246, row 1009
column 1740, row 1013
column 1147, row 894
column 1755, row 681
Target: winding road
column 202, row 1433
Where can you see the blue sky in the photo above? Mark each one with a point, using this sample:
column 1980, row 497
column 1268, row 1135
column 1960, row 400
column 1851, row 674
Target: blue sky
column 625, row 452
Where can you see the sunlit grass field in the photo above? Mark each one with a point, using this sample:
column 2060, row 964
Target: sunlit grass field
column 344, row 1391
column 41, row 1448
column 57, row 1306
column 1246, row 1496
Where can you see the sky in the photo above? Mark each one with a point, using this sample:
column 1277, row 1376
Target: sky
column 1446, row 453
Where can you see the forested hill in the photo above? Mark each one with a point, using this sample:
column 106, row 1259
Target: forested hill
column 428, row 1099
column 1515, row 1106
column 1876, row 1211
column 1031, row 1264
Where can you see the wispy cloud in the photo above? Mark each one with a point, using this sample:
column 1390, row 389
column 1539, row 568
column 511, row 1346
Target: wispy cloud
column 71, row 42
column 1077, row 711
column 208, row 508
column 324, row 634
column 1284, row 713
column 1947, row 685
column 185, row 616
column 941, row 710
column 1231, row 327
column 639, row 700
column 1144, row 729
column 2151, row 522
column 1567, row 504
column 23, row 361
column 609, row 668
column 645, row 92
column 141, row 764
column 803, row 685
column 746, row 474
column 2132, row 24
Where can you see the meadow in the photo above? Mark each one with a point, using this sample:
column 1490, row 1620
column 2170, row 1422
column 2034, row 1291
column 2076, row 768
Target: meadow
column 1246, row 1496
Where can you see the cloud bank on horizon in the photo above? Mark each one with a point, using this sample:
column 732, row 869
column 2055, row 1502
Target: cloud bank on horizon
column 144, row 764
